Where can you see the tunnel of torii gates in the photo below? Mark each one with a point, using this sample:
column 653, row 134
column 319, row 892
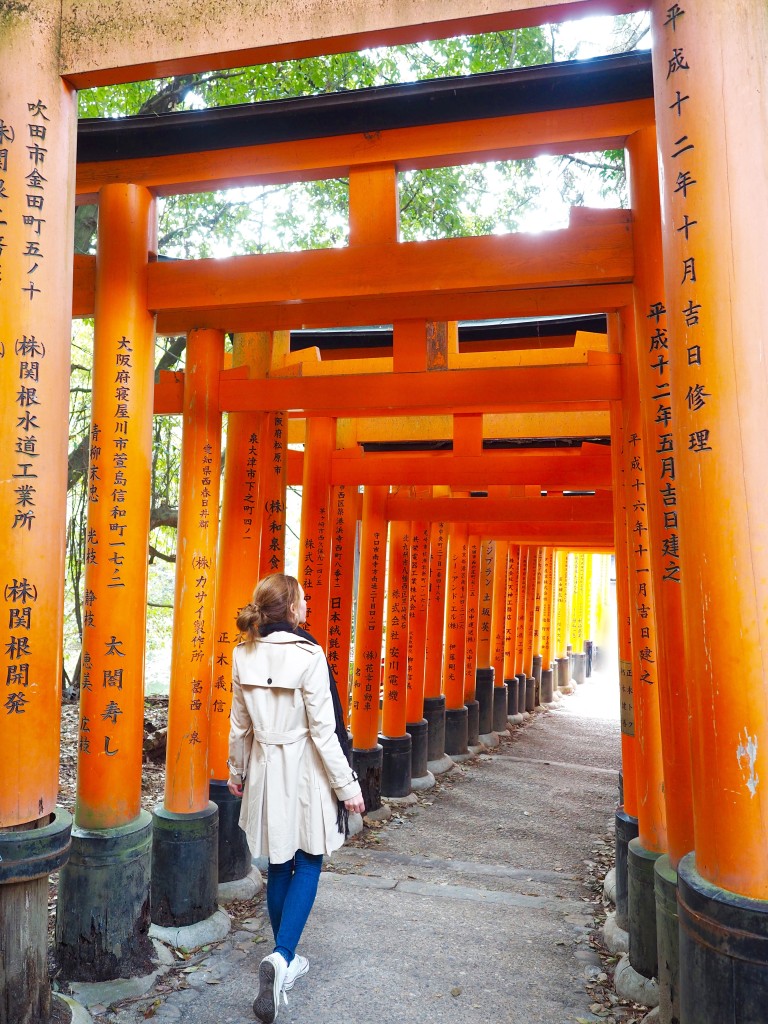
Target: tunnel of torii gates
column 408, row 438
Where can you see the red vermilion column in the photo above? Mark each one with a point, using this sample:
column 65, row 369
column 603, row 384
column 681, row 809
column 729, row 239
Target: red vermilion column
column 395, row 681
column 498, row 636
column 710, row 70
column 470, row 648
column 456, row 722
column 434, row 699
column 484, row 673
column 654, row 379
column 530, row 610
column 522, row 593
column 548, row 681
column 97, row 934
column 344, row 507
column 272, row 483
column 510, row 629
column 536, row 634
column 366, row 678
column 237, row 559
column 185, row 827
column 237, row 572
column 38, row 126
column 314, row 541
column 394, row 740
column 417, row 632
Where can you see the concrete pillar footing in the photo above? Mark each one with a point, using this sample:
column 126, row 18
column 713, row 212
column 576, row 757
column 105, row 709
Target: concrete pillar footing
column 212, row 929
column 632, row 985
column 490, row 739
column 241, row 888
column 441, row 765
column 423, row 782
column 78, row 1013
column 94, row 993
column 615, row 938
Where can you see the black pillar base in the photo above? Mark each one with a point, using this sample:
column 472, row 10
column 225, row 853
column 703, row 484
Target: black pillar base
column 511, row 685
column 185, row 866
column 563, row 669
column 668, row 938
column 368, row 765
column 723, row 952
column 456, row 731
column 536, row 673
column 626, row 830
column 102, row 916
column 530, row 694
column 27, row 858
column 434, row 712
column 520, row 692
column 547, row 686
column 643, row 951
column 473, row 723
column 588, row 650
column 418, row 731
column 484, row 696
column 234, row 852
column 500, row 708
column 395, row 765
column 579, row 667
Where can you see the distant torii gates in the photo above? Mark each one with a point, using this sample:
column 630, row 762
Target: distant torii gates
column 679, row 386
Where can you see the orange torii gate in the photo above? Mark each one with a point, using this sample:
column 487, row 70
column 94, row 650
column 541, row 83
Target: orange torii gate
column 704, row 383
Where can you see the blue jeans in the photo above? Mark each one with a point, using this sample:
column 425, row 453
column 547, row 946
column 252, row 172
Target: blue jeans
column 291, row 891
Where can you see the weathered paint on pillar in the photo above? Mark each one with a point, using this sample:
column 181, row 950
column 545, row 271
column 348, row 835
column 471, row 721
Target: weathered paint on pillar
column 344, row 506
column 315, row 537
column 473, row 596
column 455, row 617
column 539, row 601
column 561, row 598
column 366, row 678
column 709, row 78
column 548, row 610
column 395, row 681
column 664, row 543
column 510, row 618
column 417, row 618
column 190, row 705
column 433, row 661
column 273, row 461
column 112, row 686
column 485, row 602
column 239, row 546
column 499, row 612
column 38, row 121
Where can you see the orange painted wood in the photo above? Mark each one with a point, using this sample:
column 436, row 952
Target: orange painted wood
column 499, row 612
column 666, row 546
column 409, row 346
column 272, row 484
column 561, row 599
column 550, row 509
column 34, row 375
column 468, row 435
column 315, row 536
column 539, row 602
column 485, row 601
column 472, row 599
column 192, row 645
column 366, row 677
column 395, row 672
column 115, row 587
column 522, row 595
column 373, row 205
column 455, row 617
column 238, row 558
column 495, row 138
column 531, row 582
column 84, row 285
column 433, row 660
column 589, row 254
column 510, row 619
column 553, row 472
column 344, row 515
column 492, row 390
column 548, row 611
column 417, row 618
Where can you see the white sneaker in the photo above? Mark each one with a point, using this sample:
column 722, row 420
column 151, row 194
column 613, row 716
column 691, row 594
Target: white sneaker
column 297, row 968
column 272, row 972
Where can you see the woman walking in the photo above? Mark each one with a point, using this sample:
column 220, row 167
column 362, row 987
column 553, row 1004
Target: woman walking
column 288, row 760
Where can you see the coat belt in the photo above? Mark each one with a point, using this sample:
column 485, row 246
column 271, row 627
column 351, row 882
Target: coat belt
column 270, row 738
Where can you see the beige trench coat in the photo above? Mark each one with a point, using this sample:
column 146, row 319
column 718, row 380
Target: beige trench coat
column 283, row 743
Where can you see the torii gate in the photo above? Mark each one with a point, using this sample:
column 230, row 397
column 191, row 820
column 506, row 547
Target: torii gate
column 684, row 379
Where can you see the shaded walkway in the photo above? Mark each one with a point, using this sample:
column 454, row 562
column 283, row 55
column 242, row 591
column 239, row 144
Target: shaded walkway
column 466, row 909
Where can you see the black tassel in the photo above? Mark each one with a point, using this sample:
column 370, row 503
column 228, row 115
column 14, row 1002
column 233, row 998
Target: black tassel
column 342, row 818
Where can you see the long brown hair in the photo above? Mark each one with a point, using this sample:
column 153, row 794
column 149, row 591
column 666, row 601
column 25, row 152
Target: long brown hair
column 271, row 602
